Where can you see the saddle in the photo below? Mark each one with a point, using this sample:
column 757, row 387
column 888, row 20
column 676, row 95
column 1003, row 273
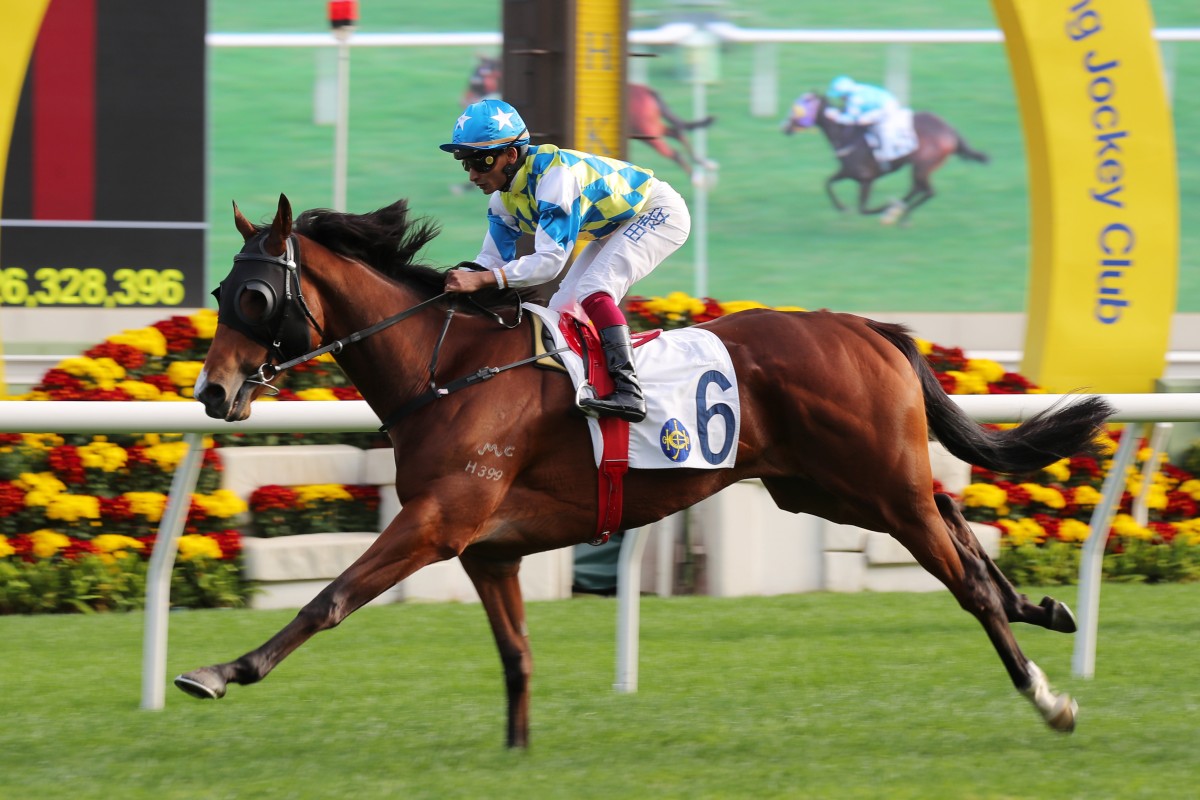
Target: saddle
column 584, row 341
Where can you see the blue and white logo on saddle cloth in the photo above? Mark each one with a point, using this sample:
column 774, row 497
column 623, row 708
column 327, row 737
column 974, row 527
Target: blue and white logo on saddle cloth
column 693, row 410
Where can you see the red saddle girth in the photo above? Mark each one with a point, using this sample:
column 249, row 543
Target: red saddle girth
column 583, row 340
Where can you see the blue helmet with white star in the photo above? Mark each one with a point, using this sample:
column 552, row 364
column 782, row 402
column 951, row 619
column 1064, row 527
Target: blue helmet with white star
column 487, row 125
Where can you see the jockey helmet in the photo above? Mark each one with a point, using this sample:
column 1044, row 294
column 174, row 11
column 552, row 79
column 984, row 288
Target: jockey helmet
column 489, row 125
column 840, row 86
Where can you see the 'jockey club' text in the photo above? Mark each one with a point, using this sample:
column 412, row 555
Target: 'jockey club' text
column 1116, row 241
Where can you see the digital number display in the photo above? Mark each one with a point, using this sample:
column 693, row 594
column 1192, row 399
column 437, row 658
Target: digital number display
column 69, row 286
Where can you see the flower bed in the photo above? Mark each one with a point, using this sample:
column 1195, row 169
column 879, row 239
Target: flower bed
column 78, row 514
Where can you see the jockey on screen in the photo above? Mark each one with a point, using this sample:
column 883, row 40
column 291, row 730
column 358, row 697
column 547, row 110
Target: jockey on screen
column 631, row 219
column 889, row 126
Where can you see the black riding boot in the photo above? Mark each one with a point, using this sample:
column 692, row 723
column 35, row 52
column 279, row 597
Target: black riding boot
column 626, row 401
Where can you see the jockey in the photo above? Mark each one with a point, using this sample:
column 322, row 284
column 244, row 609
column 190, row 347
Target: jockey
column 872, row 107
column 630, row 219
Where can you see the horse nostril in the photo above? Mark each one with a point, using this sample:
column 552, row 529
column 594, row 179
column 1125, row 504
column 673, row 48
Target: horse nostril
column 212, row 396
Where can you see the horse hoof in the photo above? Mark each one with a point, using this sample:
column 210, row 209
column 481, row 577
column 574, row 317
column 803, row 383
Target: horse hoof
column 1062, row 718
column 203, row 683
column 1061, row 618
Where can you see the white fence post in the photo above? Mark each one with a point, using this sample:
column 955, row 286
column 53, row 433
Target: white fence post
column 158, row 578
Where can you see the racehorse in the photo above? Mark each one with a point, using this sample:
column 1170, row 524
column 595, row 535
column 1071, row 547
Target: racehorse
column 836, row 413
column 651, row 120
column 936, row 141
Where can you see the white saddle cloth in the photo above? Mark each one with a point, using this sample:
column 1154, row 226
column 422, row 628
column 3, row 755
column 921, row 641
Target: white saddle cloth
column 893, row 136
column 693, row 410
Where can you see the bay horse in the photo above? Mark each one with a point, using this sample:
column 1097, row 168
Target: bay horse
column 836, row 414
column 651, row 120
column 936, row 141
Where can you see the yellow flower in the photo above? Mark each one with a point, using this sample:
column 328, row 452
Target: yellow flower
column 194, row 545
column 1022, row 531
column 325, row 358
column 104, row 372
column 318, row 492
column 47, row 542
column 6, row 549
column 149, row 340
column 1046, row 495
column 984, row 495
column 990, row 371
column 734, row 306
column 790, row 308
column 39, row 487
column 316, row 393
column 1059, row 471
column 149, row 505
column 1086, row 495
column 967, row 382
column 1127, row 527
column 167, row 455
column 184, row 373
column 1190, row 530
column 116, row 544
column 41, row 441
column 1073, row 530
column 222, row 503
column 205, row 323
column 1192, row 488
column 924, row 346
column 103, row 455
column 139, row 390
column 73, row 507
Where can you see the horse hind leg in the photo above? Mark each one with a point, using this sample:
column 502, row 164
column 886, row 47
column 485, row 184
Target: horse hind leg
column 500, row 592
column 1050, row 613
column 968, row 579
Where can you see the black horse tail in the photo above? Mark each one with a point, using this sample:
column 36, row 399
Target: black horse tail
column 1059, row 432
column 965, row 150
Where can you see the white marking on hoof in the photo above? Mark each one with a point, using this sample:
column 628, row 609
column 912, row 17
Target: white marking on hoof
column 1057, row 709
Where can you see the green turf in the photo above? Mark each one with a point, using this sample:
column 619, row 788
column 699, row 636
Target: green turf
column 772, row 235
column 815, row 696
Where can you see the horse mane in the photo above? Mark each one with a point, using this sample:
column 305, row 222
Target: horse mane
column 389, row 241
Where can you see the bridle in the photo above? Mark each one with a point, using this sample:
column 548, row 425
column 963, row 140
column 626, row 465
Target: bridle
column 273, row 283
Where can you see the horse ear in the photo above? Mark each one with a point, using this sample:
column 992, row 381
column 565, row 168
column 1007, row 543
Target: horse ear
column 244, row 226
column 281, row 227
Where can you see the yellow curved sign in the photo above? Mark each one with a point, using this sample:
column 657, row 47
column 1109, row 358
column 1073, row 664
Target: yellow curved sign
column 600, row 27
column 1104, row 199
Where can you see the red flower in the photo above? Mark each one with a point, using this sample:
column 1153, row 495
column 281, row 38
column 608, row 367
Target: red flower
column 127, row 356
column 346, row 393
column 115, row 509
column 1165, row 531
column 712, row 310
column 272, row 498
column 78, row 548
column 230, row 542
column 12, row 499
column 68, row 467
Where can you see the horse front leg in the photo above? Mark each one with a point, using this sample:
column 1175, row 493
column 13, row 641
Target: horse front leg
column 407, row 544
column 500, row 591
column 833, row 198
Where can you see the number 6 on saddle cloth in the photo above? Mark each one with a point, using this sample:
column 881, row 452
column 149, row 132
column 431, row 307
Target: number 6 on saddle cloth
column 693, row 410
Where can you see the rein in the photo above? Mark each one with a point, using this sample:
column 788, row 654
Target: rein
column 269, row 372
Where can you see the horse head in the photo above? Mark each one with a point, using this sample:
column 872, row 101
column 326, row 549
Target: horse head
column 262, row 318
column 804, row 113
